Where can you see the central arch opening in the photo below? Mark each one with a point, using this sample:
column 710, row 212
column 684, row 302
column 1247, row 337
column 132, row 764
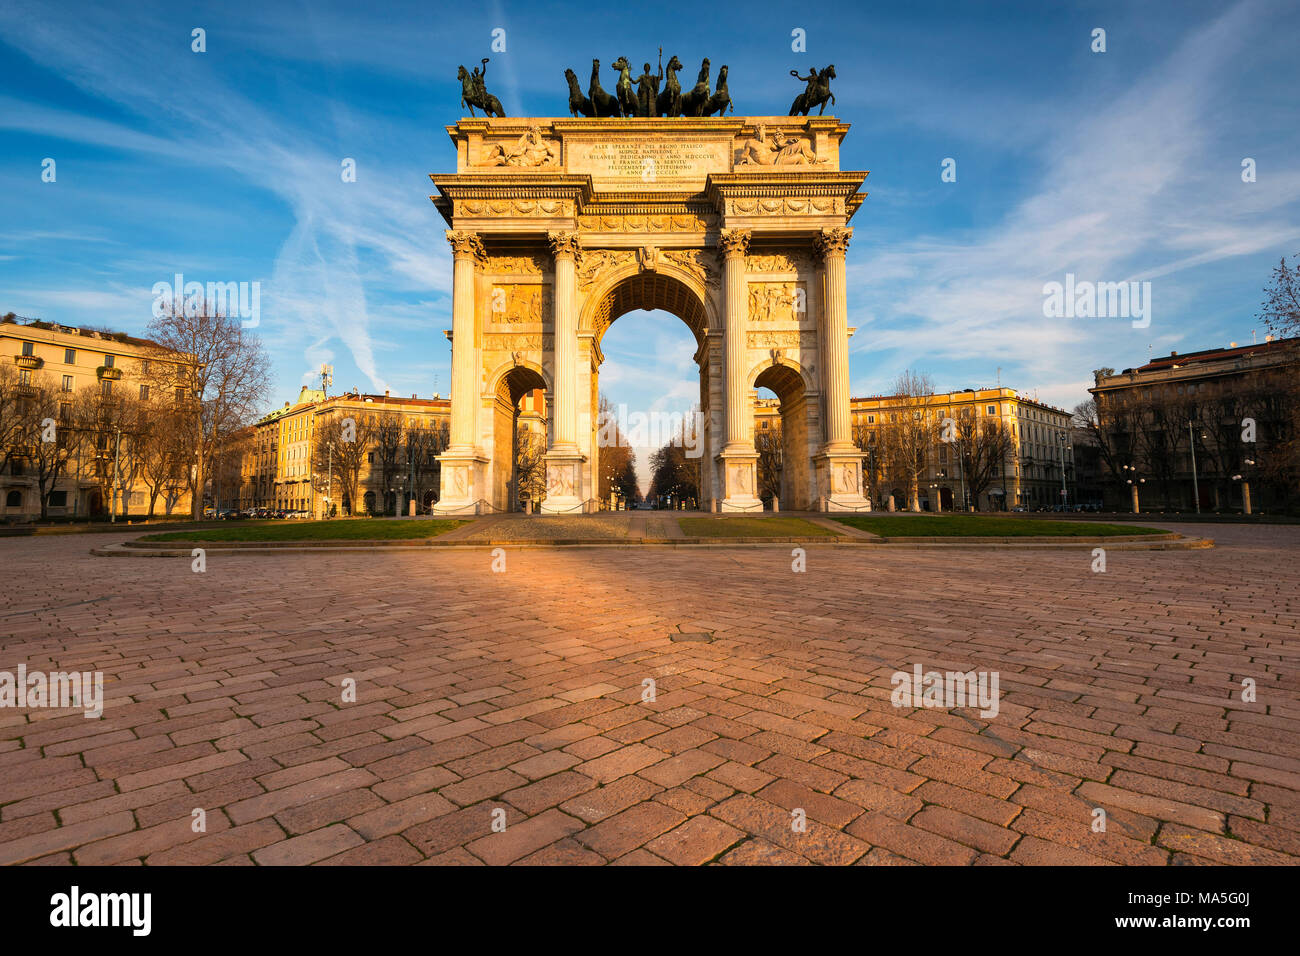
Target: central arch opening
column 650, row 390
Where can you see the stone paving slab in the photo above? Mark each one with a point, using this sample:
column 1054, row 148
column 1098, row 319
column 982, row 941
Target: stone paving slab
column 521, row 697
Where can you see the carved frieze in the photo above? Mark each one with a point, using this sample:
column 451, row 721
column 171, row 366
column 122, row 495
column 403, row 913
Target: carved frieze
column 515, row 266
column 532, row 208
column 784, row 339
column 783, row 302
column 633, row 223
column 778, row 262
column 520, row 302
column 594, row 262
column 797, row 206
column 695, row 261
column 778, row 149
column 532, row 150
column 515, row 341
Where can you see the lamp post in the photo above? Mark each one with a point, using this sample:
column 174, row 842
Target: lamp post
column 1245, row 488
column 1196, row 488
column 1065, row 496
column 117, row 474
column 938, row 497
column 1133, row 481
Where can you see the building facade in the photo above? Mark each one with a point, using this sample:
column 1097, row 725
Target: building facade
column 1040, row 450
column 63, row 369
column 1197, row 430
column 278, row 464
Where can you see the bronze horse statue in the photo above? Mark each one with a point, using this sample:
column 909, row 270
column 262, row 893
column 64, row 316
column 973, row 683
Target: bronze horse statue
column 693, row 103
column 473, row 92
column 627, row 102
column 817, row 93
column 578, row 103
column 669, row 102
column 720, row 101
column 602, row 104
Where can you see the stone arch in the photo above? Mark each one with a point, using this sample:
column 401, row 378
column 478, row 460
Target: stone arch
column 668, row 288
column 791, row 386
column 507, row 386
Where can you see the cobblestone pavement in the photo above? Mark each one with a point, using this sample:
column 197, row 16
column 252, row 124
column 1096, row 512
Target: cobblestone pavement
column 522, row 692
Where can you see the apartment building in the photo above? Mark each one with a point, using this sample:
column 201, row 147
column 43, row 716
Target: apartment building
column 100, row 472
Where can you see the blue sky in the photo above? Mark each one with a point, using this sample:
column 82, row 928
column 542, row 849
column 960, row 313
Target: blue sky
column 1115, row 166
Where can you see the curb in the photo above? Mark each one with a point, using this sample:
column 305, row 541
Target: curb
column 138, row 549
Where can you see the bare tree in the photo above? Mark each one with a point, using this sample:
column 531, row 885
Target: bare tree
column 216, row 370
column 982, row 450
column 1281, row 307
column 39, row 441
column 909, row 433
column 530, row 465
column 341, row 442
column 768, row 444
column 425, row 442
column 165, row 458
column 389, row 455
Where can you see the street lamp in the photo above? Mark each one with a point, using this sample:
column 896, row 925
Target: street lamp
column 938, row 498
column 1134, row 481
column 1065, row 497
column 1196, row 489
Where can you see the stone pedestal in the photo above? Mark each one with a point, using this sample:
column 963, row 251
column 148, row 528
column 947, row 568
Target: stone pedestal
column 839, row 475
column 464, row 484
column 563, row 484
column 739, row 471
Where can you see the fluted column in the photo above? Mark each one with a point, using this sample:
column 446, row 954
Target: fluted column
column 733, row 244
column 564, row 247
column 467, row 249
column 833, row 244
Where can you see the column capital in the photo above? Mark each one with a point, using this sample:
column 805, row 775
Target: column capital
column 466, row 245
column 733, row 243
column 564, row 245
column 833, row 242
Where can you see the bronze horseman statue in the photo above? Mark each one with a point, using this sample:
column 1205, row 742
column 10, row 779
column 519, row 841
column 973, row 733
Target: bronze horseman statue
column 473, row 91
column 642, row 96
column 816, row 93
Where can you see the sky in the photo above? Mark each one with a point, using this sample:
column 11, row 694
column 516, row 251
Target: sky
column 1117, row 166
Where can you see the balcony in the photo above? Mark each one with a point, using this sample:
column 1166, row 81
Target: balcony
column 108, row 373
column 29, row 361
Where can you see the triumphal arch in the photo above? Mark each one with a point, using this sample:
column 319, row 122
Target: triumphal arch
column 737, row 226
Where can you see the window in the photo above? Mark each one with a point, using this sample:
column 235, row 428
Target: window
column 24, row 376
column 370, row 457
column 27, row 348
column 106, row 387
column 991, row 410
column 144, row 393
column 766, row 423
column 871, row 419
column 180, row 394
column 67, row 383
column 58, row 499
column 109, row 360
column 69, row 356
column 65, row 411
column 14, row 499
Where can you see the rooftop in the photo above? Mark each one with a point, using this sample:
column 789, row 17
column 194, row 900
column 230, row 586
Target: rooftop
column 1233, row 351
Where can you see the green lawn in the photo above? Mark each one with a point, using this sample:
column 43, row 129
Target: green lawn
column 740, row 527
column 968, row 526
column 345, row 529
